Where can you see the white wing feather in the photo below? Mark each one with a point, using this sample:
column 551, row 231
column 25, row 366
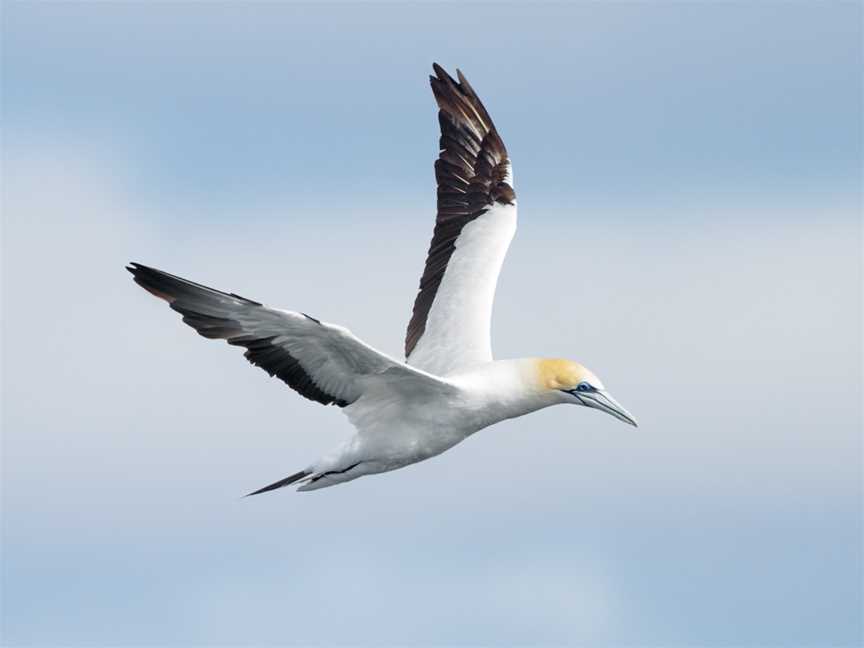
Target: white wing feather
column 458, row 326
column 322, row 362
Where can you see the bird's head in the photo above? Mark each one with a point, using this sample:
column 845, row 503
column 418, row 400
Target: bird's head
column 577, row 385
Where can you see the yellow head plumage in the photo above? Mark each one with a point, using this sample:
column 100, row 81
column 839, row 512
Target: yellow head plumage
column 579, row 384
column 555, row 373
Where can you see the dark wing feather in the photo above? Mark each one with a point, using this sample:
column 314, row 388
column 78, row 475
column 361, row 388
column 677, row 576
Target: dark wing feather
column 240, row 321
column 472, row 172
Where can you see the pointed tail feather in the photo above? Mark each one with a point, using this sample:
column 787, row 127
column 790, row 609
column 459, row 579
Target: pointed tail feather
column 282, row 482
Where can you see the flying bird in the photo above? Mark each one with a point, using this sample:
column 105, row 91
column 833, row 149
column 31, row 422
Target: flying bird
column 449, row 386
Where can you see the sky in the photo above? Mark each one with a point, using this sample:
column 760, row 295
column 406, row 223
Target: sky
column 689, row 183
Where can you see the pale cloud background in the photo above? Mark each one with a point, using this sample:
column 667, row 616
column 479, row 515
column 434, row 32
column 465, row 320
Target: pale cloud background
column 690, row 228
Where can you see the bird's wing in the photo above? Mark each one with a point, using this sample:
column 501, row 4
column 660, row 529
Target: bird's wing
column 450, row 327
column 320, row 361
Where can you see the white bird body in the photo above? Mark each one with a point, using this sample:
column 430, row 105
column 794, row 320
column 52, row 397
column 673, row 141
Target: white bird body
column 449, row 386
column 396, row 428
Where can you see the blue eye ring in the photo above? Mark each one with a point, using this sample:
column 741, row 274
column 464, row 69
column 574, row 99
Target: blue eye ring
column 584, row 387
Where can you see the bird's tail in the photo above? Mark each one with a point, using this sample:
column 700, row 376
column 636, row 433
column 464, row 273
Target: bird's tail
column 282, row 482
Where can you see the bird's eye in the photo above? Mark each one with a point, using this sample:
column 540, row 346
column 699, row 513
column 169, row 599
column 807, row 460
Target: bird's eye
column 584, row 387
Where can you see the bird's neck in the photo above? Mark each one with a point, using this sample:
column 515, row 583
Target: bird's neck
column 504, row 389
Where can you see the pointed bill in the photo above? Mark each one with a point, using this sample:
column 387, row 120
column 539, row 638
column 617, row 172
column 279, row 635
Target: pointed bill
column 604, row 402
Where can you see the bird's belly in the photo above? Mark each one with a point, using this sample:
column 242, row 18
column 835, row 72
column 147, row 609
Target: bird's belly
column 405, row 446
column 394, row 433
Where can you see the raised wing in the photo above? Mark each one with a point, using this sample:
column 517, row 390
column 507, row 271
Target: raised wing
column 450, row 326
column 321, row 362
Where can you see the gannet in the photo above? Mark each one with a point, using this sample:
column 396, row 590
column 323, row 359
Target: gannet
column 449, row 386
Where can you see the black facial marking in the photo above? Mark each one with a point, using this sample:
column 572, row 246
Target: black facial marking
column 581, row 388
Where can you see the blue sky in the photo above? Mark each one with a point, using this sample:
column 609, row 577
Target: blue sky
column 627, row 102
column 689, row 186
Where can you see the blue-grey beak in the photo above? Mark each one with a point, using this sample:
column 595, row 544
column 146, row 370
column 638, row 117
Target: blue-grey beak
column 604, row 402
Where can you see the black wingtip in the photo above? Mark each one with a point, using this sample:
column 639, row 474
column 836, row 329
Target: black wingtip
column 136, row 268
column 152, row 280
column 443, row 76
column 462, row 80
